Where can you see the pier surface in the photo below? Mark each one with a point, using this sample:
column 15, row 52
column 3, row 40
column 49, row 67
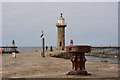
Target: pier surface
column 32, row 65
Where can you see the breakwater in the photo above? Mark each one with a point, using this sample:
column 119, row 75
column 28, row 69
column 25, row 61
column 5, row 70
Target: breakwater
column 104, row 52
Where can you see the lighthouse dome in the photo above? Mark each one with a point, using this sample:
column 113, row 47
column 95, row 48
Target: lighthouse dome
column 61, row 21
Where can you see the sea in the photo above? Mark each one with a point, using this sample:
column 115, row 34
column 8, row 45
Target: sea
column 28, row 50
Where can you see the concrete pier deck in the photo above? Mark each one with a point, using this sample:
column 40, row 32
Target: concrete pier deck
column 32, row 65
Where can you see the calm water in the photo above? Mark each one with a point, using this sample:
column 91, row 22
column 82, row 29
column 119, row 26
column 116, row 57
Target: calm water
column 89, row 58
column 29, row 49
column 99, row 59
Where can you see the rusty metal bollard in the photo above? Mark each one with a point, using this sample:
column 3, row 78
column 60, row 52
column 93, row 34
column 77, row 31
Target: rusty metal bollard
column 78, row 59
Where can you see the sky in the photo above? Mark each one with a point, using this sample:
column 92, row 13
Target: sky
column 60, row 0
column 88, row 23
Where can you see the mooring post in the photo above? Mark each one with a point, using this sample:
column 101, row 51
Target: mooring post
column 78, row 59
column 43, row 45
column 43, row 42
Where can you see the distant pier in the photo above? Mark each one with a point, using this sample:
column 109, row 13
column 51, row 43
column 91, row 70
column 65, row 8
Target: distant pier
column 9, row 49
column 106, row 49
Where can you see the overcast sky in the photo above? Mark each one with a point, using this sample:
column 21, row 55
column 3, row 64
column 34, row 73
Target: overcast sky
column 91, row 23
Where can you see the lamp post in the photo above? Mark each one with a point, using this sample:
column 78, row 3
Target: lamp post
column 43, row 44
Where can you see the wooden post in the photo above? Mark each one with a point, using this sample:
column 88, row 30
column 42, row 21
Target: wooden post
column 43, row 43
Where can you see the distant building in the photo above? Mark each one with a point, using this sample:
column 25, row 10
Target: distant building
column 61, row 33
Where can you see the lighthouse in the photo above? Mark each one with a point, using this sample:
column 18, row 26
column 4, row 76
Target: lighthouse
column 61, row 24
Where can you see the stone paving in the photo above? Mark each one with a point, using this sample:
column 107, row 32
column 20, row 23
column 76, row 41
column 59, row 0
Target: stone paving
column 32, row 65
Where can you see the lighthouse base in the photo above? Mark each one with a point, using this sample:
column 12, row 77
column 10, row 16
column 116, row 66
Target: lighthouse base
column 85, row 73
